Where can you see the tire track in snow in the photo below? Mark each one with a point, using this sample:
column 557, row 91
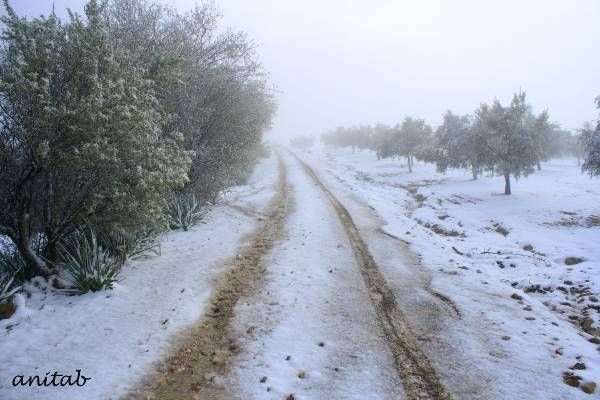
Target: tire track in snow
column 442, row 297
column 205, row 352
column 419, row 378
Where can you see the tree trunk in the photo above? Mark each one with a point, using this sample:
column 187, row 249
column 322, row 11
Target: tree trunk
column 409, row 163
column 35, row 265
column 474, row 172
column 539, row 166
column 507, row 184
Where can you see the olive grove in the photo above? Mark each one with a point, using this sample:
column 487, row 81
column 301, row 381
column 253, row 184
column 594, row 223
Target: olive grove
column 509, row 141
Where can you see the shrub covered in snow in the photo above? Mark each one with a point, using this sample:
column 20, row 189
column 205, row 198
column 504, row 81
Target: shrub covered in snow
column 184, row 211
column 83, row 142
column 124, row 245
column 11, row 263
column 110, row 144
column 89, row 267
column 7, row 286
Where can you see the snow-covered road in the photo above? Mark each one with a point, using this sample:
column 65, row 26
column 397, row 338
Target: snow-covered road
column 325, row 287
column 313, row 331
column 321, row 321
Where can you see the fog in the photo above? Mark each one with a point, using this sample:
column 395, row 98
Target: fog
column 349, row 62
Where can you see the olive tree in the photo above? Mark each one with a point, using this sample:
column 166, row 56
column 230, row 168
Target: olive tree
column 590, row 138
column 456, row 144
column 508, row 146
column 413, row 134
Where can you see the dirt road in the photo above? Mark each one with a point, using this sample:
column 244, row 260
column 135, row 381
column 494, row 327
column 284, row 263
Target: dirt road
column 303, row 312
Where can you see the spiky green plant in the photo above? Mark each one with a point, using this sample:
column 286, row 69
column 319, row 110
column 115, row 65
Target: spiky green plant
column 184, row 211
column 125, row 245
column 7, row 286
column 89, row 267
column 11, row 263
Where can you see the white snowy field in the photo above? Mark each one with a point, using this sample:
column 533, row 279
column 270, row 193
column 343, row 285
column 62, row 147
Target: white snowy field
column 502, row 260
column 115, row 336
column 504, row 300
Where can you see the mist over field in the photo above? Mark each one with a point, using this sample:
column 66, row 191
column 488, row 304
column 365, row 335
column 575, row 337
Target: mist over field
column 349, row 62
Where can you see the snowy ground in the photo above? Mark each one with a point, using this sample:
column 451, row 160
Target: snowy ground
column 523, row 312
column 115, row 336
column 481, row 278
column 311, row 330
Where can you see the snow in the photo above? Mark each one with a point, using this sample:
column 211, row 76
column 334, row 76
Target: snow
column 314, row 293
column 115, row 336
column 552, row 210
column 488, row 329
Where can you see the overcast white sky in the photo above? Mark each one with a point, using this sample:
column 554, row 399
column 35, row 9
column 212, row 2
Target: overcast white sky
column 340, row 62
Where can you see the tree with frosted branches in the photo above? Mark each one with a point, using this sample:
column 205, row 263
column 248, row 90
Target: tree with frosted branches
column 590, row 138
column 411, row 136
column 455, row 144
column 508, row 144
column 80, row 135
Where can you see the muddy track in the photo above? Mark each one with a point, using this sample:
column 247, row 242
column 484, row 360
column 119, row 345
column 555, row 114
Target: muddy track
column 419, row 378
column 205, row 352
column 427, row 286
column 247, row 211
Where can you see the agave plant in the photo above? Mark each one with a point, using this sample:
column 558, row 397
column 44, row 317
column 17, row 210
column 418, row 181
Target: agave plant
column 7, row 288
column 213, row 198
column 184, row 211
column 11, row 263
column 89, row 266
column 124, row 245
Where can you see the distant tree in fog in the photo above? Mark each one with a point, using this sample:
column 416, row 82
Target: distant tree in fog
column 544, row 134
column 302, row 142
column 413, row 135
column 508, row 142
column 590, row 138
column 355, row 137
column 455, row 145
column 333, row 138
column 381, row 140
column 562, row 142
column 405, row 140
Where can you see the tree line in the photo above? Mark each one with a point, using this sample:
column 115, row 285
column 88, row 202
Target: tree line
column 125, row 119
column 510, row 141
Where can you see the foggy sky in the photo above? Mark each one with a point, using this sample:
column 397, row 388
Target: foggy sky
column 342, row 62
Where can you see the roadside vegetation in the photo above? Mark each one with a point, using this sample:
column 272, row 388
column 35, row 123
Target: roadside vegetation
column 117, row 126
